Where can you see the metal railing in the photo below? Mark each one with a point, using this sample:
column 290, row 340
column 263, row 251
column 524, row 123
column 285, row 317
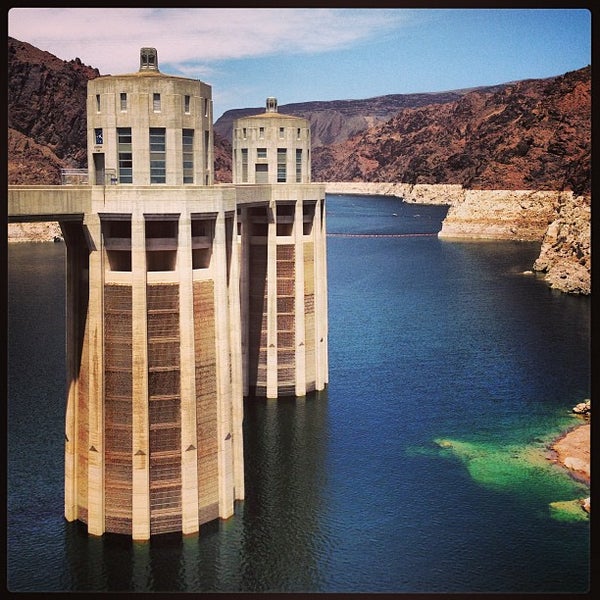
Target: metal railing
column 74, row 177
column 81, row 177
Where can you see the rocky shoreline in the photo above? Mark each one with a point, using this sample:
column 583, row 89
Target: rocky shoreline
column 573, row 449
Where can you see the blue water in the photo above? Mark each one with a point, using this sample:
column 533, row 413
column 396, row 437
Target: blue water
column 420, row 469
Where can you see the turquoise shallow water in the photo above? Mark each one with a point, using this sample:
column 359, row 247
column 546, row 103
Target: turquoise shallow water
column 420, row 469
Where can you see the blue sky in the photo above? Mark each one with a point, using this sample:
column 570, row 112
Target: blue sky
column 305, row 54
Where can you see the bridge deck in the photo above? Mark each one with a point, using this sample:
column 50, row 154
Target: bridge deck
column 29, row 203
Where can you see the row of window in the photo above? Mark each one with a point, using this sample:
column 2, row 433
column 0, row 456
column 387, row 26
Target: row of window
column 261, row 133
column 262, row 169
column 156, row 103
column 161, row 243
column 161, row 236
column 158, row 153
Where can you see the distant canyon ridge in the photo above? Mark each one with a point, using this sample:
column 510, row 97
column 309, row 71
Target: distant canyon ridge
column 528, row 142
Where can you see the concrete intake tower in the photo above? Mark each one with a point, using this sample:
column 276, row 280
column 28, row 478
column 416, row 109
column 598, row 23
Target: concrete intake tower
column 183, row 298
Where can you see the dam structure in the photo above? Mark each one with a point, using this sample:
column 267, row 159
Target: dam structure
column 185, row 298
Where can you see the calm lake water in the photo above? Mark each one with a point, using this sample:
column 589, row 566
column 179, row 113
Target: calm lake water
column 420, row 469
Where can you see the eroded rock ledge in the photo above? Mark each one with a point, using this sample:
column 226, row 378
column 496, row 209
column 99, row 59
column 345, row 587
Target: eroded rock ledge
column 420, row 193
column 501, row 214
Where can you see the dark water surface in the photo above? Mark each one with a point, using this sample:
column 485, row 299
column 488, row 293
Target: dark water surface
column 420, row 469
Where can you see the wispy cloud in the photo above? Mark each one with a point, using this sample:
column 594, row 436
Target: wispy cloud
column 188, row 38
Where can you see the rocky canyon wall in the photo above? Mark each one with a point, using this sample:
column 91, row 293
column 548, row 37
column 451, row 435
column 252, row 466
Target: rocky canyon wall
column 565, row 256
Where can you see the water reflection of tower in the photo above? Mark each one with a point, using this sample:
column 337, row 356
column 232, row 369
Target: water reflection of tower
column 284, row 542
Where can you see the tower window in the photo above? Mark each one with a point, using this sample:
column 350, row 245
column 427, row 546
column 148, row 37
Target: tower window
column 298, row 131
column 98, row 137
column 125, row 156
column 261, row 173
column 158, row 155
column 281, row 132
column 206, row 107
column 202, row 241
column 123, row 101
column 206, row 147
column 244, row 165
column 244, row 133
column 261, row 153
column 308, row 216
column 187, row 143
column 161, row 244
column 117, row 242
column 156, row 102
column 186, row 105
column 261, row 133
column 298, row 165
column 97, row 102
column 281, row 165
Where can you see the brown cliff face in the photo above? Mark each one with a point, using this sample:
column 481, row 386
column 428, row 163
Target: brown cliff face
column 533, row 134
column 31, row 163
column 222, row 151
column 335, row 121
column 46, row 103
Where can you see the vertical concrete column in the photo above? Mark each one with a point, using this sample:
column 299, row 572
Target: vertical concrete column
column 272, row 302
column 299, row 325
column 325, row 321
column 73, row 290
column 174, row 173
column 224, row 443
column 95, row 380
column 244, row 252
column 321, row 353
column 237, row 383
column 187, row 362
column 140, row 424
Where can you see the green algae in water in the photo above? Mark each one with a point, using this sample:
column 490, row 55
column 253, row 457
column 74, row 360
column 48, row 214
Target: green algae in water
column 520, row 469
column 568, row 510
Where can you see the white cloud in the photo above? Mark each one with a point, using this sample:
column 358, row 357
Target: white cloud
column 110, row 38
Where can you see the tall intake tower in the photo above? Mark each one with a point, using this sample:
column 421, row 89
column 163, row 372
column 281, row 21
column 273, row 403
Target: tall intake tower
column 183, row 297
column 284, row 283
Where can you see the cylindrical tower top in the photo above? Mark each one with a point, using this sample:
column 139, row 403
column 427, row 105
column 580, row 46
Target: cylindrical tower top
column 271, row 104
column 149, row 128
column 271, row 147
column 148, row 59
